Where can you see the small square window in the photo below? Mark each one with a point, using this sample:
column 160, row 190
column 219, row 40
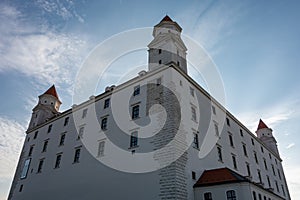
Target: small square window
column 84, row 113
column 136, row 90
column 106, row 103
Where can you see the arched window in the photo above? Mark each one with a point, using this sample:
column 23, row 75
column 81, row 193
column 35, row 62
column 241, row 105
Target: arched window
column 231, row 195
column 207, row 196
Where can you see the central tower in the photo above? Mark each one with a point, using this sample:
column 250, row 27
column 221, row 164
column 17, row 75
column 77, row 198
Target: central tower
column 167, row 46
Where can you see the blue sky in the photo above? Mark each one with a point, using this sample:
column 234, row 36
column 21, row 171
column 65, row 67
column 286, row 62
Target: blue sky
column 254, row 44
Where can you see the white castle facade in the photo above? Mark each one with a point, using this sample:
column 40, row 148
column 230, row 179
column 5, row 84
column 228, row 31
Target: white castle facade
column 66, row 156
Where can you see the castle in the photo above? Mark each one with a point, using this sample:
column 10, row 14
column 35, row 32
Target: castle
column 108, row 148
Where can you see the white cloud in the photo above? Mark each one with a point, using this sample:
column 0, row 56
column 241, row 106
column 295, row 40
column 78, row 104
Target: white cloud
column 290, row 145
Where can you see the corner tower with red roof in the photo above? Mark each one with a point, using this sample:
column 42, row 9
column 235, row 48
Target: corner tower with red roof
column 47, row 107
column 264, row 133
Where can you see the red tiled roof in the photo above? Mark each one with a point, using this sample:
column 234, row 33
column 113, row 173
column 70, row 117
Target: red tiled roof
column 52, row 91
column 167, row 18
column 261, row 125
column 219, row 176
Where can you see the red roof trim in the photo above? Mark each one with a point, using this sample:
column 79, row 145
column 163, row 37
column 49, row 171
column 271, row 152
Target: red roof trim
column 261, row 125
column 52, row 91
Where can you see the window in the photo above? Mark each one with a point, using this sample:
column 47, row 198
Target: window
column 273, row 170
column 25, row 168
column 265, row 163
column 104, row 124
column 136, row 90
column 66, row 121
column 254, row 195
column 21, row 188
column 49, row 128
column 40, row 166
column 84, row 113
column 159, row 51
column 259, row 176
column 270, row 156
column 252, row 141
column 241, row 133
column 207, row 196
column 275, row 161
column 245, row 150
column 283, row 191
column 216, row 129
column 262, row 149
column 77, row 155
column 213, row 109
column 106, row 103
column 134, row 139
column 231, row 140
column 196, row 141
column 227, row 121
column 57, row 162
column 35, row 135
column 101, row 148
column 159, row 62
column 234, row 161
column 192, row 91
column 30, row 150
column 80, row 134
column 193, row 175
column 269, row 182
column 194, row 116
column 277, row 186
column 45, row 145
column 62, row 139
column 158, row 81
column 248, row 169
column 135, row 112
column 178, row 63
column 231, row 195
column 279, row 175
column 220, row 157
column 255, row 157
column 259, row 197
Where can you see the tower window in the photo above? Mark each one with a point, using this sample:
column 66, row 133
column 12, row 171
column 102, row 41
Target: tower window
column 62, row 139
column 213, row 109
column 84, row 113
column 49, row 128
column 245, row 150
column 81, row 131
column 255, row 157
column 234, row 161
column 269, row 182
column 252, row 141
column 248, row 169
column 231, row 195
column 21, row 188
column 178, row 63
column 159, row 51
column 265, row 163
column 227, row 121
column 192, row 91
column 57, row 162
column 135, row 112
column 273, row 170
column 77, row 155
column 277, row 188
column 193, row 175
column 254, row 195
column 207, row 196
column 194, row 116
column 136, row 90
column 216, row 130
column 101, row 148
column 241, row 133
column 45, row 145
column 104, row 124
column 219, row 151
column 279, row 175
column 259, row 176
column 231, row 140
column 106, row 103
column 40, row 166
column 35, row 135
column 66, row 121
column 134, row 139
column 196, row 141
column 159, row 62
column 30, row 150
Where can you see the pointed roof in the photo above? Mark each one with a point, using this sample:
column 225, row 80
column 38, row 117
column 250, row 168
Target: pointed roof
column 52, row 91
column 219, row 176
column 261, row 125
column 167, row 18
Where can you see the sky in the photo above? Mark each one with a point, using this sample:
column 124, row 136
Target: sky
column 254, row 45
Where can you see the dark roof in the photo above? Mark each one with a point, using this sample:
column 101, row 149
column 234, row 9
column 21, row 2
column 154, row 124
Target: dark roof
column 52, row 91
column 219, row 176
column 167, row 18
column 261, row 125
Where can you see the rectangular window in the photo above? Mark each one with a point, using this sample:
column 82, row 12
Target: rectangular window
column 84, row 113
column 269, row 182
column 255, row 157
column 134, row 139
column 192, row 91
column 265, row 163
column 213, row 110
column 283, row 191
column 207, row 196
column 159, row 51
column 241, row 133
column 220, row 157
column 49, row 128
column 270, row 156
column 193, row 175
column 252, row 141
column 35, row 135
column 158, row 81
column 196, row 141
column 216, row 129
column 136, row 90
column 77, row 155
column 45, row 145
column 101, row 148
column 21, row 188
column 81, row 132
column 231, row 195
column 104, row 123
column 62, row 139
column 106, row 103
column 248, row 169
column 259, row 197
column 40, row 166
column 57, row 162
column 245, row 150
column 277, row 188
column 262, row 149
column 254, row 195
column 66, row 121
column 259, row 176
column 135, row 112
column 25, row 168
column 30, row 150
column 227, row 121
column 194, row 116
column 279, row 175
column 234, row 161
column 231, row 140
column 273, row 170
